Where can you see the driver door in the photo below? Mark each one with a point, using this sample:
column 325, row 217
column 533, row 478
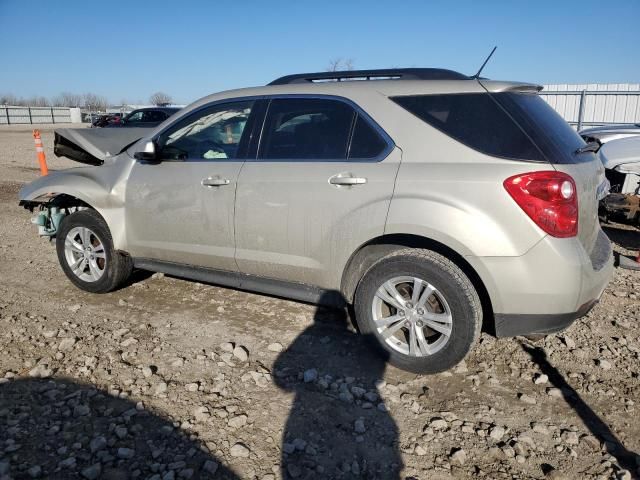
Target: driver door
column 181, row 208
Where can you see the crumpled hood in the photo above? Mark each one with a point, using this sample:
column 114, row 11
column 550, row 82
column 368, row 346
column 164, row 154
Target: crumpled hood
column 94, row 145
column 624, row 153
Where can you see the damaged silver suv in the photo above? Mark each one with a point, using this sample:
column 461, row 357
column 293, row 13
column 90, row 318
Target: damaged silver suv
column 431, row 202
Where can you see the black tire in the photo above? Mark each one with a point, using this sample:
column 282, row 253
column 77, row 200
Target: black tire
column 118, row 266
column 458, row 291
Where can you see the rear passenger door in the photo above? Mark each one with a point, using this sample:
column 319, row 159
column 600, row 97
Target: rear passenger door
column 320, row 184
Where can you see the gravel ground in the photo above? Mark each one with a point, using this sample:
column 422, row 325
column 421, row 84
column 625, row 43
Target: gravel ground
column 170, row 379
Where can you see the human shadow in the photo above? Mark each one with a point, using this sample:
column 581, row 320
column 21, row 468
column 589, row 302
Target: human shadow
column 598, row 428
column 60, row 429
column 338, row 426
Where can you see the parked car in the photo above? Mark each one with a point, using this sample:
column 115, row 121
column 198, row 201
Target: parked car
column 146, row 117
column 606, row 133
column 108, row 119
column 429, row 201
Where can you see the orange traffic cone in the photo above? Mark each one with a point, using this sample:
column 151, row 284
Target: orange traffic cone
column 40, row 152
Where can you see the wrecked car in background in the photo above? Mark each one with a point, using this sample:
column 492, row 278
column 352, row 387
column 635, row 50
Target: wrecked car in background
column 621, row 160
column 607, row 133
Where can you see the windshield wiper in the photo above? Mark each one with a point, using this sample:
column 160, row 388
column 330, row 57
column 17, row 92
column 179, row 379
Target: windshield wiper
column 589, row 147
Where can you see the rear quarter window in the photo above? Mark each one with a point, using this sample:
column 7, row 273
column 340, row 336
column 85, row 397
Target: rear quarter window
column 475, row 120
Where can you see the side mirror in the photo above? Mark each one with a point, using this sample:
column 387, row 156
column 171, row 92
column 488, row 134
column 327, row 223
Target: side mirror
column 148, row 154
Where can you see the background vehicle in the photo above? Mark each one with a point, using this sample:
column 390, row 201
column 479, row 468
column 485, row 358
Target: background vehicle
column 429, row 200
column 621, row 159
column 145, row 117
column 607, row 133
column 104, row 120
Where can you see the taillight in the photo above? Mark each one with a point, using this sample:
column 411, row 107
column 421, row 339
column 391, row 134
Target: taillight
column 549, row 198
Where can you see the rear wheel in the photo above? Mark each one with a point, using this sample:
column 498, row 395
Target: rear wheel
column 86, row 254
column 420, row 309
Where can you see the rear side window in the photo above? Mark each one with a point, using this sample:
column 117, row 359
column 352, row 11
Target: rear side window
column 306, row 128
column 476, row 120
column 366, row 142
column 550, row 132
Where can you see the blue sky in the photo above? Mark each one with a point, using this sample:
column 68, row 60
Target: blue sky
column 128, row 50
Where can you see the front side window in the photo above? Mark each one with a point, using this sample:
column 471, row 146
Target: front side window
column 306, row 128
column 210, row 134
column 134, row 117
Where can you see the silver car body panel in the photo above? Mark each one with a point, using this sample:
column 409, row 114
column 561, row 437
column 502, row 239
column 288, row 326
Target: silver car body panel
column 291, row 224
column 102, row 143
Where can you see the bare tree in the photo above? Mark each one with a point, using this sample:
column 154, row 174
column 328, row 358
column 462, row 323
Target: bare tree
column 8, row 99
column 338, row 64
column 160, row 99
column 95, row 102
column 67, row 99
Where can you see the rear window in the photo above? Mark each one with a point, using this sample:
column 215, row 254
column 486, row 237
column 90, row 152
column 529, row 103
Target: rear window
column 366, row 142
column 485, row 122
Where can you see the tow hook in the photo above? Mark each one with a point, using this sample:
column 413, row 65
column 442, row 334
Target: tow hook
column 48, row 221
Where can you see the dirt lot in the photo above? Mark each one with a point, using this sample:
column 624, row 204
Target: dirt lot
column 170, row 379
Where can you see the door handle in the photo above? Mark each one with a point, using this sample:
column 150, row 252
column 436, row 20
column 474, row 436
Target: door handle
column 214, row 182
column 347, row 180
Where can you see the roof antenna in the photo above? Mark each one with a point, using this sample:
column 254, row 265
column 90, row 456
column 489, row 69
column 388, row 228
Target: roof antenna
column 477, row 75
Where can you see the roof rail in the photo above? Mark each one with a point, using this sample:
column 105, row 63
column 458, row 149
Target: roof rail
column 381, row 74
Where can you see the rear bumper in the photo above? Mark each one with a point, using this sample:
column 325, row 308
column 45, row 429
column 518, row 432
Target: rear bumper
column 549, row 287
column 530, row 324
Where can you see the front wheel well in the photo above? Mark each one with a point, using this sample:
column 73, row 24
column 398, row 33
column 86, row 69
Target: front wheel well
column 369, row 253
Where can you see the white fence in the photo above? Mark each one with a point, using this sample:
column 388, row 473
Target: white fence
column 595, row 104
column 18, row 115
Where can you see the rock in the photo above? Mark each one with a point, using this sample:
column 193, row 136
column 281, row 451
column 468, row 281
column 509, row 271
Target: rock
column 226, row 347
column 540, row 379
column 294, row 470
column 67, row 344
column 35, row 471
column 237, row 421
column 420, row 451
column 569, row 342
column 126, row 453
column 81, row 410
column 201, row 414
column 497, row 433
column 359, row 426
column 192, row 387
column 310, row 375
column 528, row 399
column 157, row 276
column 275, row 347
column 97, row 444
column 4, row 467
column 590, row 441
column 438, row 423
column 554, row 392
column 147, row 372
column 160, row 388
column 569, row 437
column 40, row 371
column 604, row 364
column 210, row 467
column 458, row 456
column 121, row 432
column 92, row 472
column 624, row 475
column 241, row 353
column 239, row 450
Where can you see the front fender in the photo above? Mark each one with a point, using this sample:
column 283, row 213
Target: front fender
column 100, row 187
